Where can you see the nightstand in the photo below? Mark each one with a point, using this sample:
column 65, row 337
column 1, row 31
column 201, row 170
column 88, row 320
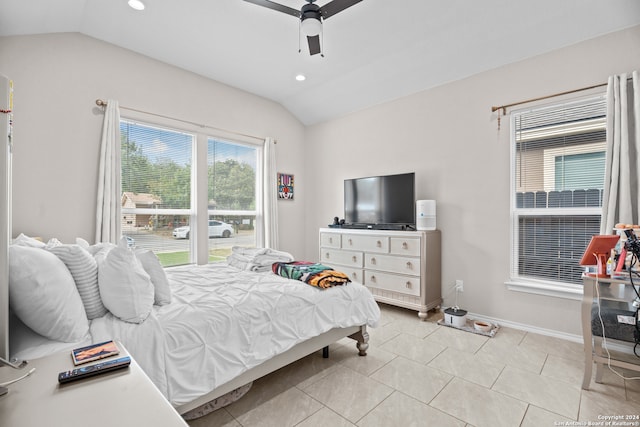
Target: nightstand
column 125, row 397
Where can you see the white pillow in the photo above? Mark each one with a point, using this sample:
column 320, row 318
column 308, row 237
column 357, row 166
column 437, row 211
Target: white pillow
column 43, row 295
column 84, row 269
column 125, row 287
column 24, row 240
column 52, row 243
column 151, row 264
column 82, row 243
column 98, row 247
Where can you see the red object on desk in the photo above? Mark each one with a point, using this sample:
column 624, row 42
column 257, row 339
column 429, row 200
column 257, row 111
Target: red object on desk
column 621, row 260
column 598, row 252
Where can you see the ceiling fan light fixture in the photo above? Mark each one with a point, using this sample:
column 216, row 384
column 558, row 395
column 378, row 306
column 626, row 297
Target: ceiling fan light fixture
column 311, row 27
column 136, row 4
column 311, row 18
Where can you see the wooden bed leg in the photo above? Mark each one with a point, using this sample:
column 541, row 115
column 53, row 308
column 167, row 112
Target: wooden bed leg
column 325, row 352
column 362, row 338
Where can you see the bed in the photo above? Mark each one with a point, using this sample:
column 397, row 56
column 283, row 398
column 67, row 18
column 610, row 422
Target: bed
column 211, row 329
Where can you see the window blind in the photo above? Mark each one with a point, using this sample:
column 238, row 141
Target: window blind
column 558, row 162
column 156, row 189
column 157, row 162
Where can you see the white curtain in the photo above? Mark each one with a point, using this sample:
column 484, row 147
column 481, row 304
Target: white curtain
column 269, row 196
column 621, row 201
column 108, row 209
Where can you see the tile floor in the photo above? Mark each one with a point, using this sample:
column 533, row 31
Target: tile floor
column 420, row 374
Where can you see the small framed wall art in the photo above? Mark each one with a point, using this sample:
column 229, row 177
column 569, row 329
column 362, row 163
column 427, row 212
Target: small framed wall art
column 285, row 186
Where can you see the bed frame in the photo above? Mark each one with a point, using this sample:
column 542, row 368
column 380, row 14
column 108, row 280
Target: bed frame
column 358, row 333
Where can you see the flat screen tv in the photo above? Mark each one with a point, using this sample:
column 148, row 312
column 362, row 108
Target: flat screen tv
column 380, row 200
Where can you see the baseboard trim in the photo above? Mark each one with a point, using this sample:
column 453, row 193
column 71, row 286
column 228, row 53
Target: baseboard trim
column 620, row 346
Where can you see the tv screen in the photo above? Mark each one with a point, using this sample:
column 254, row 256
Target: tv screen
column 381, row 200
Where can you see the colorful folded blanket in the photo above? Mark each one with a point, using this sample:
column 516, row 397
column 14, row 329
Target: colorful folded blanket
column 313, row 274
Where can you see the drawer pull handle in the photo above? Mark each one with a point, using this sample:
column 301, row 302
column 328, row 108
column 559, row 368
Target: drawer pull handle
column 408, row 285
column 409, row 265
column 350, row 242
column 354, row 258
column 373, row 261
column 326, row 255
column 354, row 275
column 373, row 278
column 379, row 243
column 330, row 239
column 404, row 245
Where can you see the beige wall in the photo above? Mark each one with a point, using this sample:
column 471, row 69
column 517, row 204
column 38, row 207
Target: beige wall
column 57, row 79
column 450, row 138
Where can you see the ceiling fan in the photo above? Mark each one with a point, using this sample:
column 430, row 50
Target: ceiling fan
column 311, row 17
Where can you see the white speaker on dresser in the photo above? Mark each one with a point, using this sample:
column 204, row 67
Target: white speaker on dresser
column 426, row 214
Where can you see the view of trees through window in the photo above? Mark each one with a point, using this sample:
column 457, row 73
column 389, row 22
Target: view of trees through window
column 158, row 192
column 231, row 184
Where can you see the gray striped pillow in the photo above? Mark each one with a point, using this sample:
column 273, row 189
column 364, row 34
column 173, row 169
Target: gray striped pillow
column 84, row 269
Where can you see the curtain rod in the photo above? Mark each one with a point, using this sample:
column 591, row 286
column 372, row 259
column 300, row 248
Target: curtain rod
column 102, row 103
column 505, row 106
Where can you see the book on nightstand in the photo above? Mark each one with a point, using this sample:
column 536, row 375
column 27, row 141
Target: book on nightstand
column 94, row 352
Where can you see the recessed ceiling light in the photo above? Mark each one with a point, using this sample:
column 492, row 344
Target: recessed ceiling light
column 301, row 77
column 136, row 4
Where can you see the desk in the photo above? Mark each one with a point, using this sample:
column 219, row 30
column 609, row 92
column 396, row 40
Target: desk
column 125, row 397
column 610, row 290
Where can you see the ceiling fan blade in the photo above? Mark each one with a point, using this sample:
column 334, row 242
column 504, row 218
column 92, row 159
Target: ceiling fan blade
column 314, row 44
column 275, row 6
column 335, row 6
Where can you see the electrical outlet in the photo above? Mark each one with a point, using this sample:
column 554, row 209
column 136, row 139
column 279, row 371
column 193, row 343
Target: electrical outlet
column 459, row 285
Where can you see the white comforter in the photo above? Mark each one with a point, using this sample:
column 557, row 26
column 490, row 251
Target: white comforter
column 223, row 321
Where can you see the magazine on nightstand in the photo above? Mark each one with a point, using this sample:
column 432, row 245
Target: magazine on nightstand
column 94, row 352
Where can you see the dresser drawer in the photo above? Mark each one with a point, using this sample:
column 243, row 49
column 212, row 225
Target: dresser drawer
column 409, row 285
column 355, row 274
column 392, row 264
column 365, row 243
column 330, row 240
column 348, row 258
column 409, row 246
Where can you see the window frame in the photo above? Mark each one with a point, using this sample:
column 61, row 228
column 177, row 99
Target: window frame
column 199, row 212
column 257, row 212
column 539, row 286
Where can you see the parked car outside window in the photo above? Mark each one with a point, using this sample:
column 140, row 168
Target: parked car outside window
column 216, row 229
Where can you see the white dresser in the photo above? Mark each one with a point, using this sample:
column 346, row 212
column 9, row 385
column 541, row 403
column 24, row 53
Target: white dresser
column 399, row 267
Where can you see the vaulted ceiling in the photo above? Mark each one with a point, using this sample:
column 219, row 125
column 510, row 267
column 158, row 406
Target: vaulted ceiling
column 374, row 51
